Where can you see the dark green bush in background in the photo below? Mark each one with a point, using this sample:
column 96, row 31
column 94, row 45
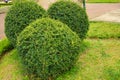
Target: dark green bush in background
column 48, row 48
column 71, row 14
column 19, row 16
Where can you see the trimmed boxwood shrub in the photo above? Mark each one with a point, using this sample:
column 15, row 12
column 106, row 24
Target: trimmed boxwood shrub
column 19, row 16
column 48, row 48
column 71, row 14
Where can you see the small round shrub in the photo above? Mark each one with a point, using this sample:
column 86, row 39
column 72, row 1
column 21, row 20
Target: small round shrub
column 19, row 16
column 71, row 14
column 48, row 48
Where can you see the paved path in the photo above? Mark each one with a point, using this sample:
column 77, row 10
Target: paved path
column 98, row 9
column 2, row 17
column 112, row 16
column 93, row 10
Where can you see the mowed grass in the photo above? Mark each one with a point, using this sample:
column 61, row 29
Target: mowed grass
column 3, row 4
column 103, row 1
column 100, row 61
column 104, row 30
column 11, row 67
column 5, row 46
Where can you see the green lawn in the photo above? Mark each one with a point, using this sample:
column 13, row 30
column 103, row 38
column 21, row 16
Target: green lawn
column 103, row 1
column 104, row 30
column 5, row 46
column 4, row 4
column 100, row 60
column 11, row 67
column 1, row 6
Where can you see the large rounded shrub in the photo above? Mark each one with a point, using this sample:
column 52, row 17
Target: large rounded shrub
column 19, row 16
column 71, row 14
column 48, row 48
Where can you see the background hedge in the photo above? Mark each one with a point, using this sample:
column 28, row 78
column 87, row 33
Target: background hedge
column 71, row 14
column 48, row 48
column 19, row 16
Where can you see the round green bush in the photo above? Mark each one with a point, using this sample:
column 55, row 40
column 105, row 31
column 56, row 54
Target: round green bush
column 71, row 14
column 48, row 48
column 19, row 16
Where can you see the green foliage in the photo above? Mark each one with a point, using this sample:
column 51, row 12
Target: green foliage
column 19, row 16
column 100, row 62
column 112, row 73
column 5, row 46
column 4, row 9
column 48, row 48
column 91, row 62
column 104, row 30
column 71, row 14
column 6, row 4
column 11, row 67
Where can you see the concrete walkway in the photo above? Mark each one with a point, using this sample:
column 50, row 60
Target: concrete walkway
column 97, row 12
column 2, row 17
column 112, row 16
column 98, row 9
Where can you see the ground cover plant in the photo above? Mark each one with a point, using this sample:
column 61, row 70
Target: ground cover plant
column 0, row 6
column 11, row 67
column 104, row 30
column 4, row 4
column 99, row 61
column 103, row 1
column 19, row 16
column 48, row 48
column 71, row 14
column 1, row 3
column 4, row 9
column 5, row 46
